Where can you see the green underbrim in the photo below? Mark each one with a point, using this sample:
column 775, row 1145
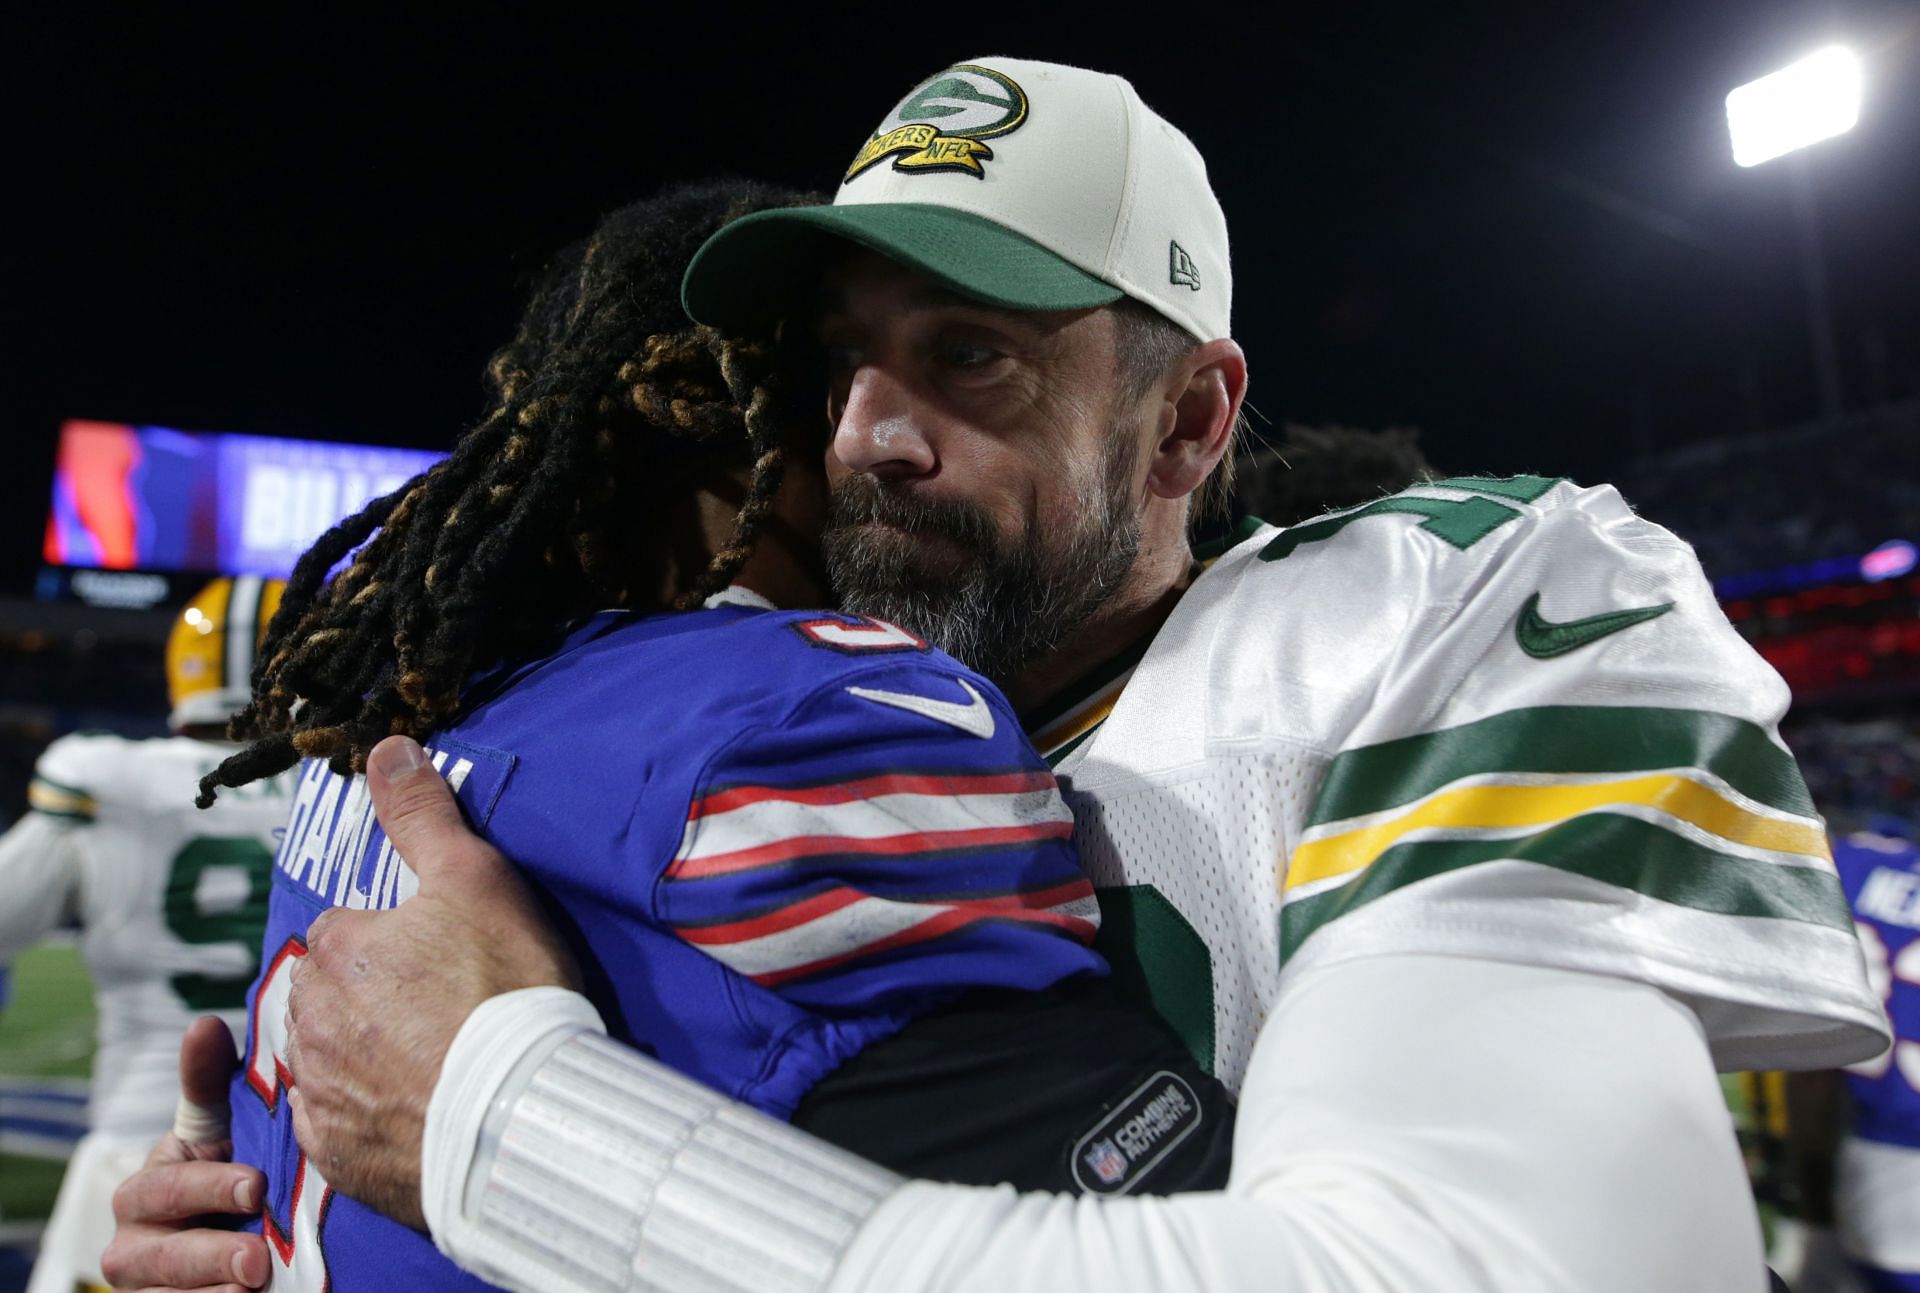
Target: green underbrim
column 767, row 265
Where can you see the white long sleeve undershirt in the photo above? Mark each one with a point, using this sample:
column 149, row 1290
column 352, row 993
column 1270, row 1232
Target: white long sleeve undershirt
column 1409, row 1123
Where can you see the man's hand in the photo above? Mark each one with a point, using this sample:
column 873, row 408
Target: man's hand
column 154, row 1247
column 378, row 997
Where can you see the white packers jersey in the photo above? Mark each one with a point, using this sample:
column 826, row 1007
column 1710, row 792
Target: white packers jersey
column 171, row 900
column 1488, row 718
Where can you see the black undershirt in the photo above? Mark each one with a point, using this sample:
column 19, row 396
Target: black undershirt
column 1071, row 1089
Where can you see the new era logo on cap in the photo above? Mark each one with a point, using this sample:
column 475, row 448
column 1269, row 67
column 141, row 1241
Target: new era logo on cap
column 1181, row 271
column 1027, row 185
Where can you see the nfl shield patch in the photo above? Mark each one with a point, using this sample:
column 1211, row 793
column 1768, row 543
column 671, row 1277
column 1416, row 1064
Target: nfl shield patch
column 1104, row 1159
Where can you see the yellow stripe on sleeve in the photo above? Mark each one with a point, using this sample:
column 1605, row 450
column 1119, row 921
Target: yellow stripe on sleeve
column 1494, row 807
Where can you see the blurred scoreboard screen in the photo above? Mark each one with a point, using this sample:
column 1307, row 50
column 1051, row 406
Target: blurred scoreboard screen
column 152, row 499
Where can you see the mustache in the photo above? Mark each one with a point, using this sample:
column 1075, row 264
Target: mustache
column 862, row 500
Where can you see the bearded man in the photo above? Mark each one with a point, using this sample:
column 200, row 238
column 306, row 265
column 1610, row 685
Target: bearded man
column 1453, row 829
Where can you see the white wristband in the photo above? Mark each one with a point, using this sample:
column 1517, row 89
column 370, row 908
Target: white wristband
column 593, row 1167
column 506, row 1033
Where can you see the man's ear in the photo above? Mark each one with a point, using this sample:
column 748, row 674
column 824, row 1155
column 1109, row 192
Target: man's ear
column 1203, row 395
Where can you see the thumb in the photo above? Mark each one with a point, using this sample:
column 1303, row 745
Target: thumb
column 422, row 818
column 207, row 1063
column 456, row 866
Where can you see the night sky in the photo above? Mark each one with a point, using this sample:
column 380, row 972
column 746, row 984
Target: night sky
column 1508, row 224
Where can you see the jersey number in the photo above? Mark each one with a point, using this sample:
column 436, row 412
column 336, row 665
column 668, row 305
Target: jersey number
column 1462, row 522
column 1882, row 970
column 858, row 635
column 217, row 892
column 299, row 1265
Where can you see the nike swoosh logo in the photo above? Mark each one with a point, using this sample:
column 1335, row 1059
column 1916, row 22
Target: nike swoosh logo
column 974, row 718
column 1543, row 639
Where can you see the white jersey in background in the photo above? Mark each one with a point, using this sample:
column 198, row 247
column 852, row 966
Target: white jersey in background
column 171, row 902
column 1455, row 829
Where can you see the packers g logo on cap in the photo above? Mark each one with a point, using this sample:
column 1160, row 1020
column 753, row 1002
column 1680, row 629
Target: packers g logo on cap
column 939, row 126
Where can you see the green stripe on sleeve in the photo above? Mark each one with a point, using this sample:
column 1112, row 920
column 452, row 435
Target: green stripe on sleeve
column 1563, row 738
column 1618, row 850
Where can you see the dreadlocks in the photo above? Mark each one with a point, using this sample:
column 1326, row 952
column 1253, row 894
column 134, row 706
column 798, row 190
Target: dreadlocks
column 604, row 410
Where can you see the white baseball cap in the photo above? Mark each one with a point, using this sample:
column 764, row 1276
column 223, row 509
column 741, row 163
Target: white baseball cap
column 1032, row 186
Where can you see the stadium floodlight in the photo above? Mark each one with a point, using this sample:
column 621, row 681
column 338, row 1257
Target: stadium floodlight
column 1813, row 99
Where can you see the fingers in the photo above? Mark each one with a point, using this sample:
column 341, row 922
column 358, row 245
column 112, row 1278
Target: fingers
column 207, row 1062
column 177, row 1191
column 319, row 932
column 334, row 947
column 186, row 1259
column 152, row 1249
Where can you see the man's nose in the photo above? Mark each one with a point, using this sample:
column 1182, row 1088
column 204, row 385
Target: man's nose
column 879, row 431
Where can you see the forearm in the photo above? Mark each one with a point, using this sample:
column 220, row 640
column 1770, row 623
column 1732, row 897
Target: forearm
column 1409, row 1123
column 557, row 1160
column 1412, row 1123
column 935, row 1237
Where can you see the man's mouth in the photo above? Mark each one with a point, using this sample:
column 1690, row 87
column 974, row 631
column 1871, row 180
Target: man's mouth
column 930, row 550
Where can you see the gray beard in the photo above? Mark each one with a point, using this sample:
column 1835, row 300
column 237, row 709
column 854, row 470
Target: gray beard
column 1014, row 601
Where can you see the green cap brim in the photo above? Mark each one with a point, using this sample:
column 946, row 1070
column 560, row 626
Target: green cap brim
column 767, row 265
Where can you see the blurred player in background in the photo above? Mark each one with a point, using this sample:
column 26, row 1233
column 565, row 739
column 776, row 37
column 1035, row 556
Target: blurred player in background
column 1856, row 1134
column 170, row 901
column 1877, row 1185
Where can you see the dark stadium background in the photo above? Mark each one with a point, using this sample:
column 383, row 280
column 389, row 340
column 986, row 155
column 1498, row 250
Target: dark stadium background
column 1515, row 226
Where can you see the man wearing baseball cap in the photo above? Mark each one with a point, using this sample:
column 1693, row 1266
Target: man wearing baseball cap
column 1452, row 829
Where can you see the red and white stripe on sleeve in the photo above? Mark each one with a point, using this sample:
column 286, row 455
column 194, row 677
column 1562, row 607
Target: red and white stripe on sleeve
column 784, row 882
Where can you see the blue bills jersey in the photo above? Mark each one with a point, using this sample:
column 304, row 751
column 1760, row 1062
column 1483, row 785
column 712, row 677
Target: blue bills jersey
column 772, row 838
column 1882, row 878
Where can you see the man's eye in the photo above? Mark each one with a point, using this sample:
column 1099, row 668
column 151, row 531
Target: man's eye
column 841, row 359
column 963, row 355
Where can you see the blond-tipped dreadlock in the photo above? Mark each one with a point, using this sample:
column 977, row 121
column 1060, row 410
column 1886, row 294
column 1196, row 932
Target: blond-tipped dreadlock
column 605, row 408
